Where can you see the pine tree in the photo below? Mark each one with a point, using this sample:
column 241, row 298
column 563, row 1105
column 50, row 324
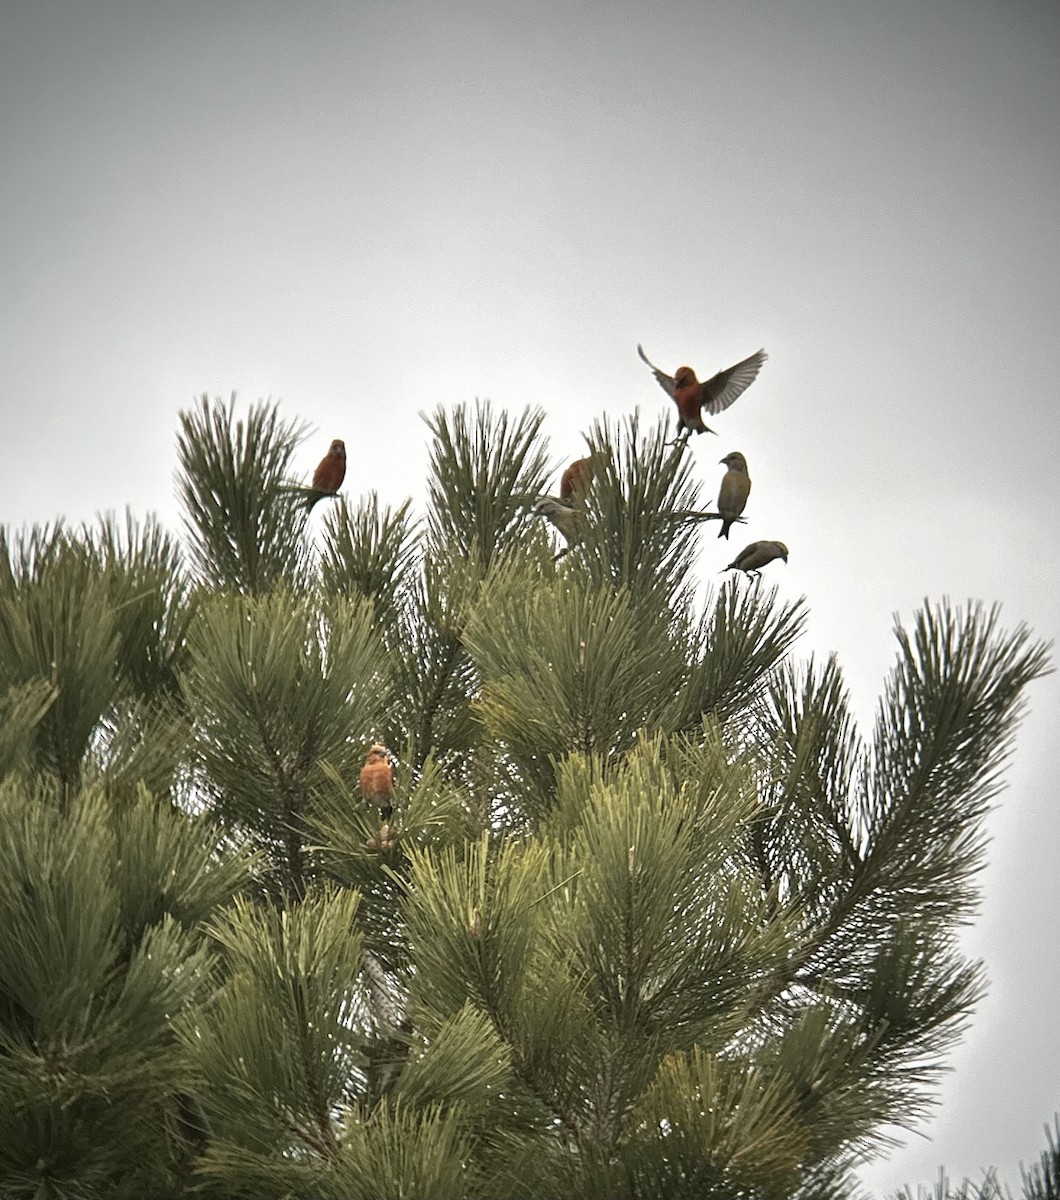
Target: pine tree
column 1041, row 1181
column 650, row 917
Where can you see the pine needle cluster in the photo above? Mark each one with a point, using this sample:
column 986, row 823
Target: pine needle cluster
column 651, row 916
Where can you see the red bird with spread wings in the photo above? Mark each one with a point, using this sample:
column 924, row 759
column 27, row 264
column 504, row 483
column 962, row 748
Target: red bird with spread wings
column 714, row 395
column 330, row 472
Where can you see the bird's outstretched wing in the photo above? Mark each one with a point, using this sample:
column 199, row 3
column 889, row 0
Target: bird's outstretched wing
column 666, row 382
column 722, row 389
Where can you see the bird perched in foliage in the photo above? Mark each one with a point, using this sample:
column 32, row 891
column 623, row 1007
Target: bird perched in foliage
column 330, row 472
column 377, row 780
column 754, row 557
column 734, row 490
column 576, row 479
column 565, row 517
column 715, row 395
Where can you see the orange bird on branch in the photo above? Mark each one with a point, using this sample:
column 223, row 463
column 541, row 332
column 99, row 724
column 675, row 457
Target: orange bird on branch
column 575, row 480
column 330, row 472
column 715, row 395
column 377, row 780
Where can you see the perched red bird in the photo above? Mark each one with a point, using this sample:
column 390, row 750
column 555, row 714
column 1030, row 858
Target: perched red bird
column 734, row 490
column 330, row 472
column 715, row 395
column 377, row 780
column 574, row 482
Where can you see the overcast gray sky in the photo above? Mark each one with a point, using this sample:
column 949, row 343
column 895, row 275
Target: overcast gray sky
column 367, row 210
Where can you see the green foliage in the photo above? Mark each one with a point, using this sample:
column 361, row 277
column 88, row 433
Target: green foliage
column 279, row 1040
column 649, row 917
column 484, row 466
column 713, row 1127
column 637, row 534
column 371, row 552
column 397, row 1152
column 566, row 666
column 150, row 595
column 22, row 707
column 100, row 952
column 242, row 513
column 277, row 686
column 58, row 624
column 1041, row 1181
column 741, row 638
column 944, row 731
column 95, row 622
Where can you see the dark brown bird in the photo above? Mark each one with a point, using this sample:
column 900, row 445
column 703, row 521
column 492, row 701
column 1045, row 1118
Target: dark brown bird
column 715, row 395
column 330, row 472
column 734, row 490
column 754, row 557
column 575, row 481
column 377, row 780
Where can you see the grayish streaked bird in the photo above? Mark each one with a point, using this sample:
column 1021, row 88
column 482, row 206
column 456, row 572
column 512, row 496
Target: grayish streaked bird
column 754, row 557
column 715, row 395
column 565, row 517
column 734, row 490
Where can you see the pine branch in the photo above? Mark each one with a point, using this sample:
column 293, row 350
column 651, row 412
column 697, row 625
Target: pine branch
column 633, row 539
column 482, row 466
column 243, row 524
column 371, row 552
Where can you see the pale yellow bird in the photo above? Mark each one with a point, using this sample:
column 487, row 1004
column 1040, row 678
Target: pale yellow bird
column 754, row 557
column 734, row 490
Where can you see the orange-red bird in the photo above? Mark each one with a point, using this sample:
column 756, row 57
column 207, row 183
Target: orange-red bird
column 715, row 395
column 575, row 480
column 377, row 780
column 330, row 472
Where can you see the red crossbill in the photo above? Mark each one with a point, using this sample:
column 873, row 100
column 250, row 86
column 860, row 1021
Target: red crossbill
column 754, row 557
column 735, row 487
column 377, row 780
column 575, row 480
column 715, row 395
column 330, row 472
